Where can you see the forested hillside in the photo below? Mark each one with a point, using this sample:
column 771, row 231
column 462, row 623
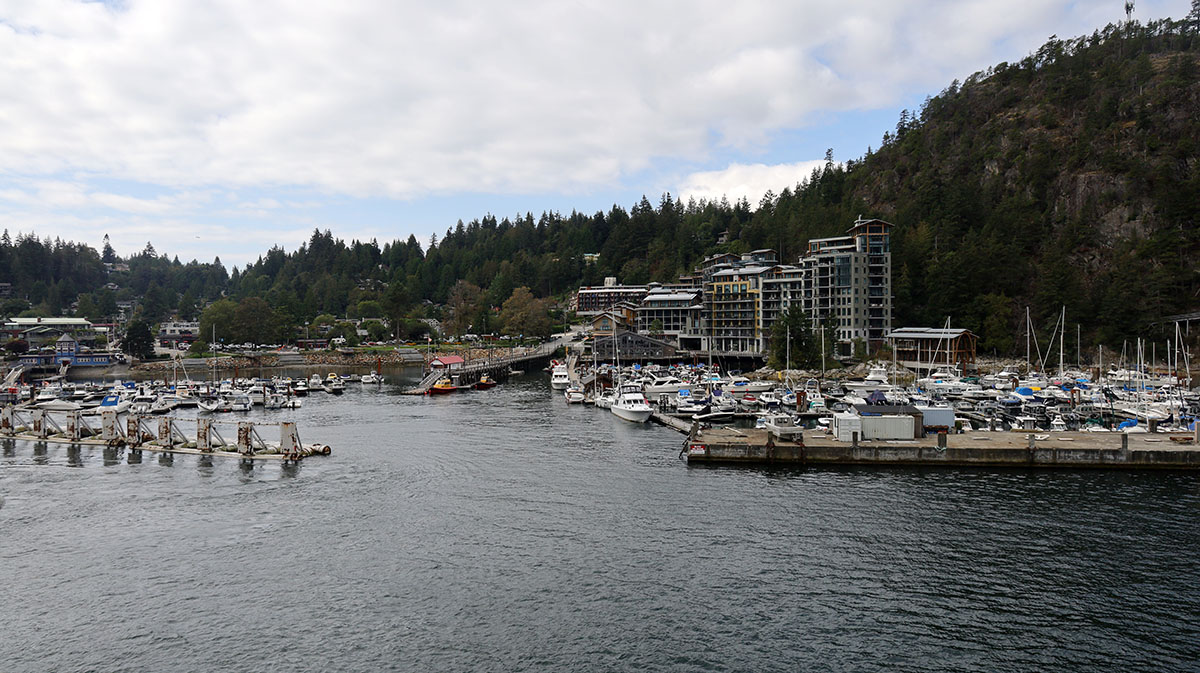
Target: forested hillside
column 1068, row 178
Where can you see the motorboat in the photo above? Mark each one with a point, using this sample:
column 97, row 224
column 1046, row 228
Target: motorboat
column 631, row 405
column 574, row 395
column 281, row 401
column 443, row 386
column 215, row 404
column 334, row 385
column 371, row 377
column 240, row 402
column 605, row 399
column 560, row 378
column 485, row 382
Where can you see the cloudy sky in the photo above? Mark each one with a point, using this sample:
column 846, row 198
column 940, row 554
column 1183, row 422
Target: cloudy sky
column 225, row 127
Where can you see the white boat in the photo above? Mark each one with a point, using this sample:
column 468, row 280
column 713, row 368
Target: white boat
column 281, row 401
column 58, row 405
column 560, row 378
column 631, row 405
column 663, row 384
column 215, row 404
column 111, row 402
column 574, row 395
column 605, row 399
column 240, row 402
column 371, row 377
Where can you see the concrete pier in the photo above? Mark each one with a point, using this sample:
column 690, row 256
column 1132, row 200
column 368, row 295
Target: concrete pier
column 987, row 449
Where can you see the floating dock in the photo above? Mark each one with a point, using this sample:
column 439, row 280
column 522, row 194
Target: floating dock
column 156, row 433
column 1117, row 450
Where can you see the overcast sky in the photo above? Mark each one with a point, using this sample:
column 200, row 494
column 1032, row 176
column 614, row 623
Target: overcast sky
column 224, row 127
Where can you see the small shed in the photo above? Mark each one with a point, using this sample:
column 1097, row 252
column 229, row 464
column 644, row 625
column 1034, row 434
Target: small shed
column 447, row 363
column 890, row 421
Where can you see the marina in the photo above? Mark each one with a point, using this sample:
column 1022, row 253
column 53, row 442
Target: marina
column 560, row 547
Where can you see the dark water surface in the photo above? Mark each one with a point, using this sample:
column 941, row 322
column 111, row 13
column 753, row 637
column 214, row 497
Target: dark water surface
column 504, row 531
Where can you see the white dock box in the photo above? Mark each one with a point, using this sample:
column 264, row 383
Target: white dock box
column 845, row 425
column 887, row 427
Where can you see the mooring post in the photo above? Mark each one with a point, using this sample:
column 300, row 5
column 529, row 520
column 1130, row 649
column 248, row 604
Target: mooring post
column 108, row 425
column 6, row 420
column 74, row 425
column 1124, row 442
column 289, row 439
column 854, row 440
column 164, row 431
column 204, row 434
column 40, row 427
column 941, row 440
column 133, row 430
column 244, row 445
column 1196, row 431
column 1029, row 439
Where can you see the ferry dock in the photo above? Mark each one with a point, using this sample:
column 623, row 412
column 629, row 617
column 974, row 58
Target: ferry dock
column 1114, row 450
column 157, row 433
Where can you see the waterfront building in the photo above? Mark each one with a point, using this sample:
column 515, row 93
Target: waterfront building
column 609, row 323
column 593, row 300
column 673, row 314
column 631, row 347
column 733, row 301
column 45, row 330
column 67, row 349
column 848, row 280
column 922, row 348
column 447, row 363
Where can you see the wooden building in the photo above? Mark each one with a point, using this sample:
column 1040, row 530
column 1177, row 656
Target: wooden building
column 924, row 348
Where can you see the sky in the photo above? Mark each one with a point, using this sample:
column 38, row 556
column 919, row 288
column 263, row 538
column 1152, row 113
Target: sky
column 224, row 128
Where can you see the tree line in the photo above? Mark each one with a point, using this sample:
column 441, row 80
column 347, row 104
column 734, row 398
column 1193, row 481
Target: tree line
column 1066, row 178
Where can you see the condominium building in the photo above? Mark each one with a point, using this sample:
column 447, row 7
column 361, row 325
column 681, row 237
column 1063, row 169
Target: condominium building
column 674, row 313
column 594, row 300
column 848, row 280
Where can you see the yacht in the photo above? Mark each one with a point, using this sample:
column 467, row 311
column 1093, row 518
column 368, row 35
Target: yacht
column 631, row 405
column 560, row 378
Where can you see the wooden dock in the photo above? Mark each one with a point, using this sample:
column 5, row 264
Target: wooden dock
column 984, row 449
column 496, row 368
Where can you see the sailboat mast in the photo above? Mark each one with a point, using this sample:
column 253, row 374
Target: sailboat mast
column 1062, row 330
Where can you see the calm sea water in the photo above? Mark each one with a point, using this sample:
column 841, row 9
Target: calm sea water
column 502, row 530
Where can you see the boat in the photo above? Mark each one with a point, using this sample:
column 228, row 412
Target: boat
column 281, row 401
column 240, row 402
column 560, row 378
column 371, row 377
column 300, row 388
column 574, row 395
column 111, row 402
column 483, row 383
column 215, row 404
column 605, row 399
column 443, row 386
column 334, row 385
column 631, row 405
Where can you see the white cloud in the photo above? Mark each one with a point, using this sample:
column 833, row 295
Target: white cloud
column 750, row 181
column 404, row 99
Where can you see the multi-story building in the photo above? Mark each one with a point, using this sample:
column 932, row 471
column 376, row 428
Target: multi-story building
column 178, row 332
column 674, row 314
column 733, row 299
column 594, row 300
column 848, row 280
